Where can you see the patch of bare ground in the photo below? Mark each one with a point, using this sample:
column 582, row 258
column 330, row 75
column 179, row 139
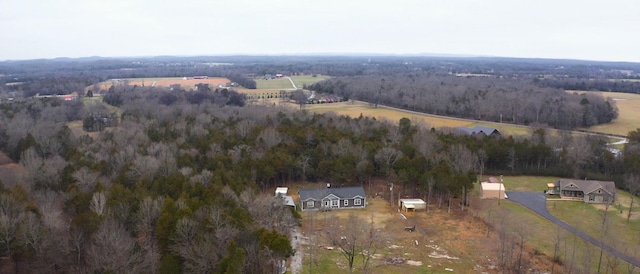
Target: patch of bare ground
column 621, row 207
column 4, row 159
column 442, row 240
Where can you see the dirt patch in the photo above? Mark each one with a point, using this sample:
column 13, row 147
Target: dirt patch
column 454, row 240
column 621, row 207
column 4, row 159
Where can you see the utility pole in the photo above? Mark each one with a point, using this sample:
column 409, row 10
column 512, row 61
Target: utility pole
column 391, row 198
column 310, row 242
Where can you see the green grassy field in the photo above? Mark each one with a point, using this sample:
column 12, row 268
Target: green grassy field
column 357, row 108
column 301, row 80
column 524, row 183
column 282, row 83
column 619, row 233
column 628, row 114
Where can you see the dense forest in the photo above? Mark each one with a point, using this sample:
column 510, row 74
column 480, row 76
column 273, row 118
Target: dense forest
column 182, row 181
column 177, row 182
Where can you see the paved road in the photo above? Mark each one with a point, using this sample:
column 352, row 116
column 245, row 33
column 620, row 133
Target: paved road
column 537, row 202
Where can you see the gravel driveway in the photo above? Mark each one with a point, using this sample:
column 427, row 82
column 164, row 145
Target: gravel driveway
column 537, row 202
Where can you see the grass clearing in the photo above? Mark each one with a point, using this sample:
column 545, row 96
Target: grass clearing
column 185, row 84
column 628, row 113
column 524, row 183
column 587, row 217
column 615, row 231
column 280, row 83
column 357, row 108
column 301, row 80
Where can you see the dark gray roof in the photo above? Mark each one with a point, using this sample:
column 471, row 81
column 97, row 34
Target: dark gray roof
column 587, row 186
column 479, row 129
column 341, row 192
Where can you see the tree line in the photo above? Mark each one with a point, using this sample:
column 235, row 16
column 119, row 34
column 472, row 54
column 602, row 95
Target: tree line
column 40, row 76
column 483, row 98
column 604, row 85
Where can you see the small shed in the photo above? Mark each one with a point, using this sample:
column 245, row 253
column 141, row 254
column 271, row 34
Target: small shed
column 282, row 191
column 412, row 204
column 288, row 201
column 493, row 191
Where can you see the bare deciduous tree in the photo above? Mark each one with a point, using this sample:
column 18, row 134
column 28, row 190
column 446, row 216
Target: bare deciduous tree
column 270, row 212
column 51, row 206
column 10, row 217
column 579, row 154
column 99, row 203
column 244, row 127
column 165, row 155
column 387, row 156
column 31, row 233
column 85, row 178
column 112, row 249
column 144, row 167
column 632, row 182
column 304, row 163
column 148, row 213
column 269, row 138
column 354, row 237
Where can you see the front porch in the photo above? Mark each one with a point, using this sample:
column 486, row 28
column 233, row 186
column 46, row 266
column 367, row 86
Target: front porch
column 572, row 194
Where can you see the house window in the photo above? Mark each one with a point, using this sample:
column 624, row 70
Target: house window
column 309, row 203
column 326, row 203
column 335, row 203
column 346, row 202
column 357, row 202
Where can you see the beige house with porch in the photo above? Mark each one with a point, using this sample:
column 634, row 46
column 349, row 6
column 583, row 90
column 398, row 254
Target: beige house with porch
column 589, row 191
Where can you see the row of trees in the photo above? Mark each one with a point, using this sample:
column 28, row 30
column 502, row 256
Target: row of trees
column 606, row 85
column 60, row 75
column 485, row 98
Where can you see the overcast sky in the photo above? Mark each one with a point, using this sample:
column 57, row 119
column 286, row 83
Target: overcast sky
column 572, row 29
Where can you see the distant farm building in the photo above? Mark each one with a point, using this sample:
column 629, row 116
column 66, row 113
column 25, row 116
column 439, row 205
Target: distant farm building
column 493, row 191
column 412, row 204
column 479, row 131
column 332, row 198
column 200, row 77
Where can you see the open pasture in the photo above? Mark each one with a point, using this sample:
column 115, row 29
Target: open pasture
column 357, row 108
column 628, row 113
column 186, row 84
column 301, row 80
column 284, row 83
column 280, row 83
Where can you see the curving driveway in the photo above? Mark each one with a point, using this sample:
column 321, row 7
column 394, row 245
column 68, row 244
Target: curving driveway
column 537, row 202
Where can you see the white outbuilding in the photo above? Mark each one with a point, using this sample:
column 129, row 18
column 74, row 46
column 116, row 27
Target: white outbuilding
column 493, row 191
column 282, row 191
column 412, row 204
